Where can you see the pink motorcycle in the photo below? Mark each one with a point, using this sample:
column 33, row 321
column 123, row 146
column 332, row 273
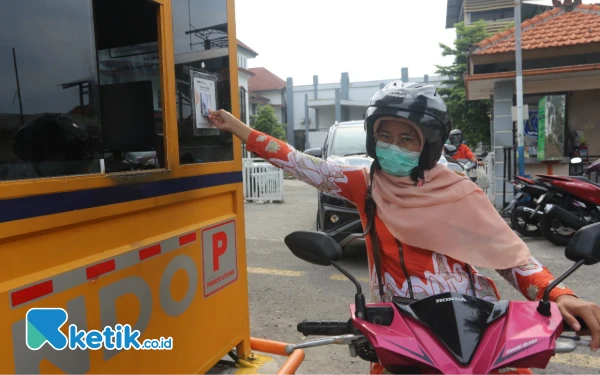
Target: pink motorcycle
column 449, row 333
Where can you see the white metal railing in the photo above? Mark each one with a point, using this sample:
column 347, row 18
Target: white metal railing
column 262, row 181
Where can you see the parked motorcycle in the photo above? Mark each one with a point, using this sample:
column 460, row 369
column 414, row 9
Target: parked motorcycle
column 578, row 206
column 523, row 216
column 449, row 333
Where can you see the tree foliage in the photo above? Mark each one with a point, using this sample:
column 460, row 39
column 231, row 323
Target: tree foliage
column 267, row 122
column 472, row 117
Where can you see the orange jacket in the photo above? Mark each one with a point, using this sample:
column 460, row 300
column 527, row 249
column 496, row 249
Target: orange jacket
column 430, row 273
column 463, row 152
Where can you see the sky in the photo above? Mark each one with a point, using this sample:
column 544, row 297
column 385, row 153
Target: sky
column 369, row 39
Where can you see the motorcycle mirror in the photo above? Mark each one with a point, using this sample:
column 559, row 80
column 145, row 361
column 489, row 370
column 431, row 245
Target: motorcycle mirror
column 314, row 247
column 585, row 245
column 316, row 152
column 484, row 154
column 321, row 249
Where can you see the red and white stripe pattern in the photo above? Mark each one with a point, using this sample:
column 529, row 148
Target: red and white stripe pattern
column 91, row 272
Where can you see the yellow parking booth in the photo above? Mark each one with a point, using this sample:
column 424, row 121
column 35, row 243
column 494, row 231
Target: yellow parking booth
column 120, row 205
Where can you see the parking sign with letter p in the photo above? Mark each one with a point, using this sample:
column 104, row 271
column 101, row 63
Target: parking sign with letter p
column 219, row 256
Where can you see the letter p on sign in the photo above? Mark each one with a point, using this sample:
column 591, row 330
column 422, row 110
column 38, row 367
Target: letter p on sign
column 219, row 256
column 219, row 245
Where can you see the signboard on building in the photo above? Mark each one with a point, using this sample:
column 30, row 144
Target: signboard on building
column 551, row 128
column 530, row 130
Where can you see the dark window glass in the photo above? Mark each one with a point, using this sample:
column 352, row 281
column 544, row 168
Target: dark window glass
column 78, row 85
column 201, row 46
column 130, row 82
column 243, row 104
column 49, row 123
column 493, row 15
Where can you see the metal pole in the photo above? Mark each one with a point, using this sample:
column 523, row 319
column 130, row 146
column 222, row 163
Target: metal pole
column 519, row 65
column 306, row 125
column 18, row 87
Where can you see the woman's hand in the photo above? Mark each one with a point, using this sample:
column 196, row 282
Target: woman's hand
column 225, row 121
column 572, row 307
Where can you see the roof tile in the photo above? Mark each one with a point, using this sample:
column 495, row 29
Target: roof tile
column 264, row 80
column 553, row 28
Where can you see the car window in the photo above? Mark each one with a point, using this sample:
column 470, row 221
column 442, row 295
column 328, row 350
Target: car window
column 349, row 140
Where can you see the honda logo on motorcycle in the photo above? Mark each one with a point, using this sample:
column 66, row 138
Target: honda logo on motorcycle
column 451, row 299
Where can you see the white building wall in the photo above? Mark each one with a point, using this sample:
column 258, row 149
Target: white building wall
column 273, row 95
column 362, row 93
column 326, row 117
column 357, row 113
column 275, row 101
column 299, row 93
column 243, row 58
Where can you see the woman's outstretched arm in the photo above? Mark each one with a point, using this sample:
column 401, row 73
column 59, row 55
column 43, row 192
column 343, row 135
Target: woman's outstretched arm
column 342, row 180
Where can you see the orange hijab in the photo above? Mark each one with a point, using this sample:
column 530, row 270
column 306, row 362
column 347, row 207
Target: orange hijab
column 450, row 215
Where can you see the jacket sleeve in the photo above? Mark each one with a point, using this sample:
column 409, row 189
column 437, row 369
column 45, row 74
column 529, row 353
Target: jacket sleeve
column 532, row 279
column 468, row 152
column 329, row 177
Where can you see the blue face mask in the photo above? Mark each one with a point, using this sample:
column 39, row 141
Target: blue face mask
column 395, row 160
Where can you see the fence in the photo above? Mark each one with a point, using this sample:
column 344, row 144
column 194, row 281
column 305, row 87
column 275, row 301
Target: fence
column 262, row 181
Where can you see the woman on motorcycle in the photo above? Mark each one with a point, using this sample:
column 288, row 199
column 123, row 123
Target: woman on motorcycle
column 418, row 215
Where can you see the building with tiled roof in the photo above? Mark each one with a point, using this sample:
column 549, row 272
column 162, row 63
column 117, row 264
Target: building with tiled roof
column 555, row 28
column 497, row 14
column 267, row 88
column 561, row 60
column 245, row 53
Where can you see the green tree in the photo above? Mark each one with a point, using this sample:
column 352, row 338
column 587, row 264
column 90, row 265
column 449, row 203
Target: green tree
column 265, row 121
column 472, row 117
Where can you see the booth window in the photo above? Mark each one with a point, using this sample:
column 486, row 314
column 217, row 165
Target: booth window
column 78, row 79
column 129, row 84
column 243, row 104
column 201, row 45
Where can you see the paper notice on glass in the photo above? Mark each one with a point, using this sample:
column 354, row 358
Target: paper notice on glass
column 204, row 87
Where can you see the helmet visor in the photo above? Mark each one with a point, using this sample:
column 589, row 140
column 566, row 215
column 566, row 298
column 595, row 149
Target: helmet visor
column 455, row 139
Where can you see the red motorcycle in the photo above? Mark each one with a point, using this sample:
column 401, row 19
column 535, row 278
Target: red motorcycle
column 579, row 205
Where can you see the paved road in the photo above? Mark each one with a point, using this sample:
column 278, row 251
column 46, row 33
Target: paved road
column 285, row 290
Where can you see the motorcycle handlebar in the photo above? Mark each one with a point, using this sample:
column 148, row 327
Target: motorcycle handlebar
column 567, row 328
column 324, row 327
column 571, row 345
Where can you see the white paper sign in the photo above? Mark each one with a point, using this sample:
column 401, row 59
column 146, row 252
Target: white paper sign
column 205, row 97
